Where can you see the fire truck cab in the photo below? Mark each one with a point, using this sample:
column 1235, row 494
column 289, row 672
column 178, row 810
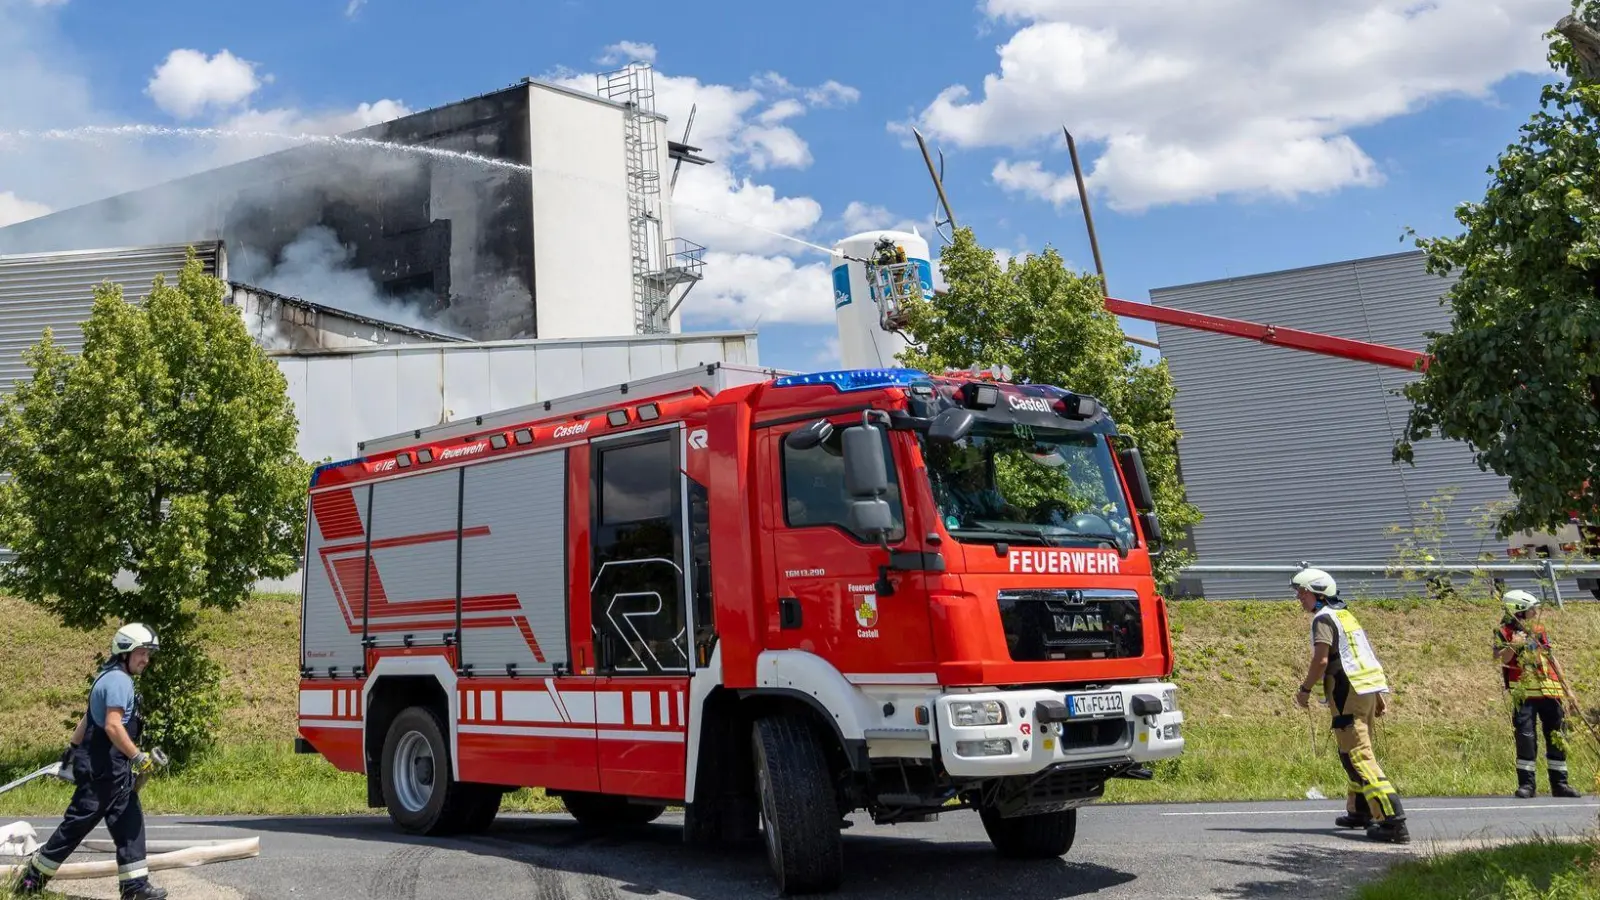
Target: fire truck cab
column 771, row 601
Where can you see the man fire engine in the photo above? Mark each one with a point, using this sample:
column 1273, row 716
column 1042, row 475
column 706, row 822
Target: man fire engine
column 739, row 593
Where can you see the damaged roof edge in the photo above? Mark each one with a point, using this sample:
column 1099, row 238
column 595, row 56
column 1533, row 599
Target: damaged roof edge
column 354, row 317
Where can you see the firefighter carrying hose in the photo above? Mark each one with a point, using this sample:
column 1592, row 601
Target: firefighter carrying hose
column 1354, row 685
column 1528, row 673
column 107, row 762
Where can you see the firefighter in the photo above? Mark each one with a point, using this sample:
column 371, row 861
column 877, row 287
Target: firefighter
column 1521, row 646
column 1354, row 687
column 107, row 765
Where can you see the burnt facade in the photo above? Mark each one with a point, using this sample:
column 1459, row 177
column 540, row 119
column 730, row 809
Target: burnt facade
column 353, row 226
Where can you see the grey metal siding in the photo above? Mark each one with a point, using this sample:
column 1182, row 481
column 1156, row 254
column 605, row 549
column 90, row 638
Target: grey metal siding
column 1287, row 453
column 56, row 291
column 522, row 504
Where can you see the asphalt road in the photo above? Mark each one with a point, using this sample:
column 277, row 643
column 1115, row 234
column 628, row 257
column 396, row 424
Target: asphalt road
column 1233, row 850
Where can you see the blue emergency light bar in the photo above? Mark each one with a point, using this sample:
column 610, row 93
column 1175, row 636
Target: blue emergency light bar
column 846, row 380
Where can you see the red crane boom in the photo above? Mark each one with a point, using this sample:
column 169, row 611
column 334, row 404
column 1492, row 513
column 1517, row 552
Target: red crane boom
column 1293, row 338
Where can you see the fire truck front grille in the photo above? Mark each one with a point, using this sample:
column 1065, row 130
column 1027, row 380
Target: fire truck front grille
column 1044, row 624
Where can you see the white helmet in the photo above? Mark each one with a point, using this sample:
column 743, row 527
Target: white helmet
column 1316, row 581
column 131, row 637
column 1518, row 602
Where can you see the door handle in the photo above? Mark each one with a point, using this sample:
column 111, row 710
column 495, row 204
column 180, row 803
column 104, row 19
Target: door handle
column 789, row 616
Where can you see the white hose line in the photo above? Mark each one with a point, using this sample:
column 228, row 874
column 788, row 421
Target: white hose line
column 189, row 857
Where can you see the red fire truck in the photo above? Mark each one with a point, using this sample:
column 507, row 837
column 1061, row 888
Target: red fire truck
column 769, row 600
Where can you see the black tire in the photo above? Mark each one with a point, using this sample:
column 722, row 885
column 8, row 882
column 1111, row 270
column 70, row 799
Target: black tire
column 799, row 809
column 449, row 801
column 1044, row 836
column 608, row 811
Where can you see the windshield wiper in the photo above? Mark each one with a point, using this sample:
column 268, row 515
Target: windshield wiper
column 1000, row 534
column 1100, row 537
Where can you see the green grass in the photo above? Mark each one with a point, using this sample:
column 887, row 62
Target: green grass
column 1447, row 732
column 1532, row 870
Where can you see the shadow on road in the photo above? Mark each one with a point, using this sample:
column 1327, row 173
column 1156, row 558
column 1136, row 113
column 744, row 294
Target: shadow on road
column 653, row 860
column 1311, row 870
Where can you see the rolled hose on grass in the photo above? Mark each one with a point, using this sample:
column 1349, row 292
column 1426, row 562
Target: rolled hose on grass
column 197, row 853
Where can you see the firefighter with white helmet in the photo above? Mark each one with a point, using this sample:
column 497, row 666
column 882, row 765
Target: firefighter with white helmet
column 106, row 740
column 1353, row 686
column 1530, row 675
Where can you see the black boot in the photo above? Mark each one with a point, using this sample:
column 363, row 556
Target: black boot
column 31, row 882
column 1354, row 820
column 1392, row 830
column 1525, row 784
column 1559, row 786
column 143, row 890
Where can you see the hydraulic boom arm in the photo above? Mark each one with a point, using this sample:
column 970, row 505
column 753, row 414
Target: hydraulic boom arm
column 1293, row 338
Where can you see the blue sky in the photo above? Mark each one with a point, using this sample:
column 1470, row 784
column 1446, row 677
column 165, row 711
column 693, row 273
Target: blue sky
column 1243, row 137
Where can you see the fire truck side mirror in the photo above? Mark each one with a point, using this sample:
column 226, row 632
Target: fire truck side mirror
column 809, row 436
column 1138, row 482
column 951, row 425
column 865, row 476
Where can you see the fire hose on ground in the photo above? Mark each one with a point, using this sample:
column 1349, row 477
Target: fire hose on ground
column 19, row 839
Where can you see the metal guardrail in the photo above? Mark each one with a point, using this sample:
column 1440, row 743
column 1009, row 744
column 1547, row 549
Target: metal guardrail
column 1545, row 570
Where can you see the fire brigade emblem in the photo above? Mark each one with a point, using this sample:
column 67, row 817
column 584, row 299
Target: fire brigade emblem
column 867, row 610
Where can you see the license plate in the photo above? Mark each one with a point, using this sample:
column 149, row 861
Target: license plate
column 1089, row 706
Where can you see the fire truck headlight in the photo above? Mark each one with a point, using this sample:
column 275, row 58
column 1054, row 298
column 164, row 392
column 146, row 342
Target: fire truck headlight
column 1169, row 700
column 968, row 714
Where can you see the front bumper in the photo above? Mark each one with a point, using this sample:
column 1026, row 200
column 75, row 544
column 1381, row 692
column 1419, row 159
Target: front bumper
column 1024, row 745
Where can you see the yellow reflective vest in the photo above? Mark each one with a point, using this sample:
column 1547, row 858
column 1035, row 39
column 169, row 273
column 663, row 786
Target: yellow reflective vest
column 1360, row 663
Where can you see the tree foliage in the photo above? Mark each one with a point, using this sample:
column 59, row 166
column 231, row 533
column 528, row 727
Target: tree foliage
column 165, row 450
column 1051, row 327
column 1518, row 376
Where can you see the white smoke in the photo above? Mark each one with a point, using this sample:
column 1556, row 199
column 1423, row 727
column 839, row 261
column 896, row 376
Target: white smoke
column 315, row 266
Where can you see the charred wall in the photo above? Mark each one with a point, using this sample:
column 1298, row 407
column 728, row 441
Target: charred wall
column 446, row 238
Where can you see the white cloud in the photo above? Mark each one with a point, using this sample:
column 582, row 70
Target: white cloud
column 832, row 93
column 1193, row 101
column 189, row 82
column 14, row 209
column 353, row 7
column 747, row 289
column 627, row 52
column 1031, row 178
column 859, row 217
column 46, row 3
column 784, row 109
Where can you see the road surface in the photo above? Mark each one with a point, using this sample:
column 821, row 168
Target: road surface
column 1231, row 850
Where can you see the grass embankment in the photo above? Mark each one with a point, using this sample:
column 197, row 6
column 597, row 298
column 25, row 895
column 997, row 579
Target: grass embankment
column 1448, row 731
column 1534, row 870
column 44, row 673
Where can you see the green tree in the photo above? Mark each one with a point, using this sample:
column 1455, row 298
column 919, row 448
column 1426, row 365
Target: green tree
column 1051, row 327
column 166, row 449
column 1518, row 376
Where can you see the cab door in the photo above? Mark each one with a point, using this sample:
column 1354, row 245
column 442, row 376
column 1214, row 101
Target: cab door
column 830, row 600
column 639, row 610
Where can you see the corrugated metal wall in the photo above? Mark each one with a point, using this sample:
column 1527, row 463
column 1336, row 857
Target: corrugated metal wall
column 1287, row 453
column 56, row 290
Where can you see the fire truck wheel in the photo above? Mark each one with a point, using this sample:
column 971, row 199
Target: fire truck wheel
column 1042, row 836
column 799, row 810
column 609, row 811
column 417, row 788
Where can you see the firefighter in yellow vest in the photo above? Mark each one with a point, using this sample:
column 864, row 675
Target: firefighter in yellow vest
column 1522, row 648
column 1354, row 687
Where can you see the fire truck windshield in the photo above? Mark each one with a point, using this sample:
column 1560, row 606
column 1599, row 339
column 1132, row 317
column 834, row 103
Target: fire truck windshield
column 1030, row 487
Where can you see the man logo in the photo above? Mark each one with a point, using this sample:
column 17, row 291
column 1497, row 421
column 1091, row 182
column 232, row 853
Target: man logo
column 697, row 439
